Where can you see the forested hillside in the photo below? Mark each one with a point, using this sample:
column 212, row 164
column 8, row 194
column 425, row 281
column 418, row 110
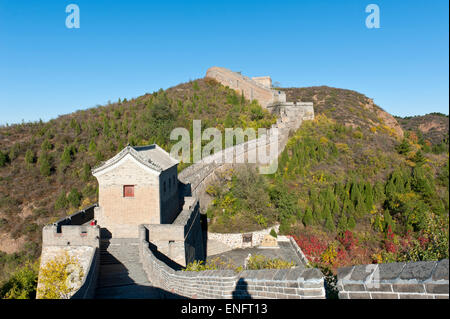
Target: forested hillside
column 351, row 186
column 45, row 168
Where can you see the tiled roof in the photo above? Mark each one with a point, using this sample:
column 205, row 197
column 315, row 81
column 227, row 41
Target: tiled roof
column 151, row 156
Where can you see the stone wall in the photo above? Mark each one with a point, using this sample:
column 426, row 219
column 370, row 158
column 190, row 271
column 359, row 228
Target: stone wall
column 298, row 282
column 200, row 175
column 253, row 89
column 181, row 241
column 79, row 241
column 236, row 240
column 78, row 218
column 414, row 280
column 121, row 215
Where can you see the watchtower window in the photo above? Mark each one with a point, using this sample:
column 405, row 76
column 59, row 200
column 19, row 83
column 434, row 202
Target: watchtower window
column 128, row 191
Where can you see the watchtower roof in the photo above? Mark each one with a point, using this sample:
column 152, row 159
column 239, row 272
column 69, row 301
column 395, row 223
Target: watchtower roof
column 151, row 156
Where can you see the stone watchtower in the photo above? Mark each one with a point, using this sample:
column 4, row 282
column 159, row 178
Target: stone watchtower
column 137, row 186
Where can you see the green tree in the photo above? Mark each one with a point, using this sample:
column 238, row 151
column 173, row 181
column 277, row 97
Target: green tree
column 46, row 145
column 92, row 146
column 61, row 201
column 22, row 284
column 351, row 222
column 45, row 166
column 419, row 159
column 342, row 223
column 74, row 198
column 403, row 147
column 30, row 157
column 3, row 159
column 308, row 219
column 86, row 173
column 329, row 222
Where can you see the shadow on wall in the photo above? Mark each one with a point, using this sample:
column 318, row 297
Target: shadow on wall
column 169, row 262
column 241, row 290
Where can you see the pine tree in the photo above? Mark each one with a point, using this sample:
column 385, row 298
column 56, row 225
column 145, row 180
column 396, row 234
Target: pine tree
column 419, row 159
column 44, row 164
column 329, row 222
column 74, row 198
column 86, row 174
column 29, row 157
column 92, row 146
column 46, row 145
column 351, row 222
column 61, row 201
column 403, row 147
column 3, row 159
column 308, row 217
column 342, row 223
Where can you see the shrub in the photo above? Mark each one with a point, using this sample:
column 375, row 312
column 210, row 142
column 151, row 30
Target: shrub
column 74, row 198
column 29, row 157
column 61, row 201
column 273, row 233
column 45, row 166
column 256, row 262
column 22, row 284
column 60, row 277
column 3, row 159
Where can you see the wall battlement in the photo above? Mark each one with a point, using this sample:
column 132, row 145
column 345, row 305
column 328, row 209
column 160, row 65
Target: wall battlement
column 298, row 282
column 258, row 88
column 181, row 241
column 414, row 280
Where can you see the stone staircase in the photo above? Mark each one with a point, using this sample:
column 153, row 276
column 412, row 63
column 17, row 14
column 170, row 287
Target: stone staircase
column 121, row 274
column 215, row 247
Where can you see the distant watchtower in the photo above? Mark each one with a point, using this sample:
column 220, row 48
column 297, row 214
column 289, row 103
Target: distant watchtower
column 137, row 186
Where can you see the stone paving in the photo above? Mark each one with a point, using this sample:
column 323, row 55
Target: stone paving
column 121, row 273
column 238, row 256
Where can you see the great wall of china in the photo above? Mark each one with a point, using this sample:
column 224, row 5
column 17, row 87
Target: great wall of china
column 151, row 274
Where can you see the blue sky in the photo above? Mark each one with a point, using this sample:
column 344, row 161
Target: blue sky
column 129, row 48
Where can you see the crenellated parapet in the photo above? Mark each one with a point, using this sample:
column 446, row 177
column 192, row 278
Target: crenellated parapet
column 258, row 88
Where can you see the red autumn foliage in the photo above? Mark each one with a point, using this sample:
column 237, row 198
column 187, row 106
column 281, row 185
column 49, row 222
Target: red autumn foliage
column 311, row 246
column 348, row 240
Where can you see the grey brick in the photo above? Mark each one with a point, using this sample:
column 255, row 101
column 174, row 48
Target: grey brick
column 437, row 288
column 441, row 270
column 361, row 272
column 265, row 274
column 311, row 273
column 408, row 288
column 379, row 287
column 343, row 295
column 377, row 295
column 281, row 274
column 419, row 270
column 310, row 292
column 292, row 284
column 354, row 287
column 344, row 272
column 290, row 291
column 294, row 274
column 441, row 296
column 389, row 271
column 311, row 284
column 354, row 295
column 413, row 296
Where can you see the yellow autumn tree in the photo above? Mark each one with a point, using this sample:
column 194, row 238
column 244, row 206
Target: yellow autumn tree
column 60, row 277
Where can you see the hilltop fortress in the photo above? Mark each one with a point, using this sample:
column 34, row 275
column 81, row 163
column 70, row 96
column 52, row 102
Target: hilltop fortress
column 256, row 88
